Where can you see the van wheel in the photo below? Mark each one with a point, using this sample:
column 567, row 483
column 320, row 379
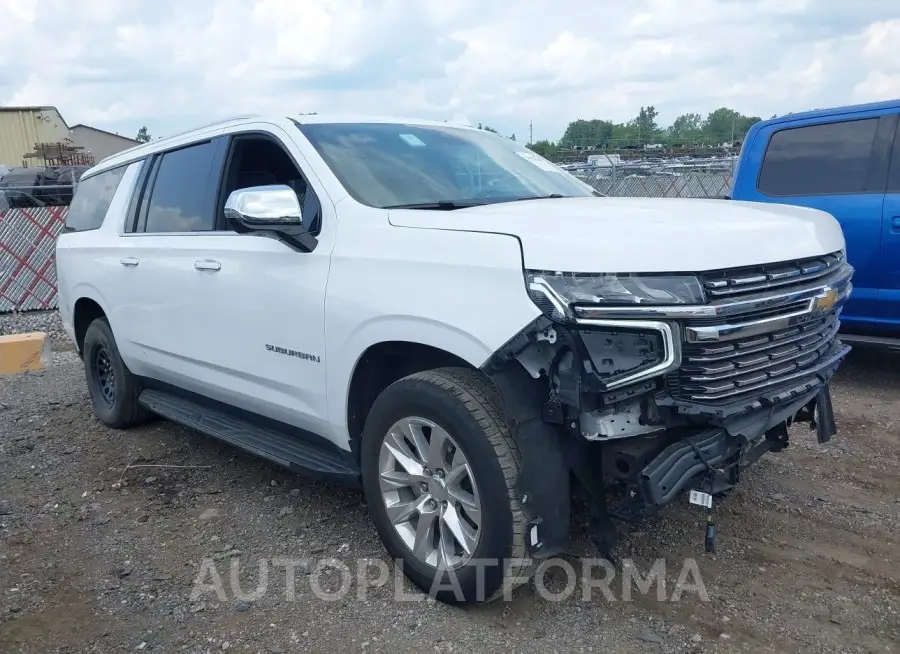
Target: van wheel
column 114, row 390
column 439, row 470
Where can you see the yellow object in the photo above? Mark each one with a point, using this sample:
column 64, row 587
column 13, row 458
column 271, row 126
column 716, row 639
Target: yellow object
column 24, row 352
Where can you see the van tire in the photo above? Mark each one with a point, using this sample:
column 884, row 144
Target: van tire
column 466, row 405
column 114, row 390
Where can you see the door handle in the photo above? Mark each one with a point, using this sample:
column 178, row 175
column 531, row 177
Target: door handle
column 207, row 264
column 895, row 224
column 129, row 261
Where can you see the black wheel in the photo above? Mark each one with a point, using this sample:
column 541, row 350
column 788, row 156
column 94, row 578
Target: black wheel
column 114, row 390
column 439, row 471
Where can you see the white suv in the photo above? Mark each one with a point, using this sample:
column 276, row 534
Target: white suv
column 442, row 316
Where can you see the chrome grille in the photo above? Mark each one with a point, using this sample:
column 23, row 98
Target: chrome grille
column 754, row 279
column 767, row 336
column 724, row 371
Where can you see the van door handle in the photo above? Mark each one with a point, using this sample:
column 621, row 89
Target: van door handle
column 131, row 262
column 895, row 224
column 207, row 264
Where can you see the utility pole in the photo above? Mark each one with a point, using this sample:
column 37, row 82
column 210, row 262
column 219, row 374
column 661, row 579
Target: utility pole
column 530, row 132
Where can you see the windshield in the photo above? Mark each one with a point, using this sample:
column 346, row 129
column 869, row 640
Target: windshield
column 395, row 165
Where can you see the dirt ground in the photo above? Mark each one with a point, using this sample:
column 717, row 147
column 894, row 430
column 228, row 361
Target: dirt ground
column 95, row 557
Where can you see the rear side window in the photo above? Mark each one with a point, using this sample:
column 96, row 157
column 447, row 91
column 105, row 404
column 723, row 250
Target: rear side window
column 827, row 159
column 183, row 197
column 92, row 199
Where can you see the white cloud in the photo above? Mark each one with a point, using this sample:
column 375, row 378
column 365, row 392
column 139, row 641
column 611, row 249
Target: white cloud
column 170, row 64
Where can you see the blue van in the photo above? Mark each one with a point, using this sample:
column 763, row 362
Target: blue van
column 845, row 161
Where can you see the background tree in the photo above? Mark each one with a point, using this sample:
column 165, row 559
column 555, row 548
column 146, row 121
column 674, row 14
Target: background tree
column 623, row 134
column 725, row 124
column 686, row 127
column 689, row 129
column 596, row 133
column 143, row 136
column 645, row 125
column 544, row 148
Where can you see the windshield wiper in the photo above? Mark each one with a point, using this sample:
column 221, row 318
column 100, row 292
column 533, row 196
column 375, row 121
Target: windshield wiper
column 450, row 205
column 443, row 205
column 552, row 196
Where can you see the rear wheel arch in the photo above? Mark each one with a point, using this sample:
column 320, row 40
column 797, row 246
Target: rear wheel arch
column 85, row 311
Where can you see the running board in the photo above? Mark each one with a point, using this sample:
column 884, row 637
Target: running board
column 862, row 339
column 295, row 453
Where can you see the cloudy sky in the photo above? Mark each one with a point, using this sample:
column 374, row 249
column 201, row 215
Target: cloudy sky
column 169, row 64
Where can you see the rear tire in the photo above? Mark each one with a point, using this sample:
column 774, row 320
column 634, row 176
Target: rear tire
column 461, row 408
column 114, row 390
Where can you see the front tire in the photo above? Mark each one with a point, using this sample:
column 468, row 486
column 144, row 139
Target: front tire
column 439, row 471
column 114, row 390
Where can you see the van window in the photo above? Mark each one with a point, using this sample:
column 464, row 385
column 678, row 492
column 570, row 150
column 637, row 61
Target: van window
column 182, row 198
column 92, row 199
column 393, row 165
column 828, row 159
column 260, row 160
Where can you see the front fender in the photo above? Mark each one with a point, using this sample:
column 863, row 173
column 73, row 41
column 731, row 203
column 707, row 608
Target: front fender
column 460, row 292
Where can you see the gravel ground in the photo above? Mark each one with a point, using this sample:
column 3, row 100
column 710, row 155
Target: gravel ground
column 98, row 554
column 35, row 321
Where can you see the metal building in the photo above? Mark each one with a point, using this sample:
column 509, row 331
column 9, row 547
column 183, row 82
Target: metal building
column 23, row 129
column 99, row 142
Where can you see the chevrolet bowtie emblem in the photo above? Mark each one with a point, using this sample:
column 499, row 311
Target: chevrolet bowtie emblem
column 827, row 300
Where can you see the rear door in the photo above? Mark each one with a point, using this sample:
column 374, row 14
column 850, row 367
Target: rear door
column 838, row 166
column 889, row 293
column 157, row 254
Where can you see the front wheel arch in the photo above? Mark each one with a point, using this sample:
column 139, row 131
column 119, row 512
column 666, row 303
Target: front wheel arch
column 381, row 365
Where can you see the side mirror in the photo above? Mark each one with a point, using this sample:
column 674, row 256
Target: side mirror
column 273, row 210
column 264, row 206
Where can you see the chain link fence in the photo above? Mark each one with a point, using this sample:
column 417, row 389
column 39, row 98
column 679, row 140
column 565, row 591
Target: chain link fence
column 664, row 178
column 33, row 205
column 27, row 249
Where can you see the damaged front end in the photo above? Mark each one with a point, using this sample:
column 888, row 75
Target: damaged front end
column 643, row 387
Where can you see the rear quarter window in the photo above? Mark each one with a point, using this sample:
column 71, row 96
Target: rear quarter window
column 92, row 199
column 826, row 159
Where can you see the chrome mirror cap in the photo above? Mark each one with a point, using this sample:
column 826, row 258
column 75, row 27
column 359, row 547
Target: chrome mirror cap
column 264, row 205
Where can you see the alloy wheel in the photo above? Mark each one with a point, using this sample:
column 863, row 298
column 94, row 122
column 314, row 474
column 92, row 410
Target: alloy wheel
column 429, row 492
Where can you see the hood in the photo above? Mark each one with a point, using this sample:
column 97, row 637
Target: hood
column 617, row 235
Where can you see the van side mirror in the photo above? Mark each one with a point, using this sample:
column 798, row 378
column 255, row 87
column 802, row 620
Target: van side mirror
column 273, row 210
column 260, row 206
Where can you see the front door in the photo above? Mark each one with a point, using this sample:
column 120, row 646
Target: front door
column 258, row 305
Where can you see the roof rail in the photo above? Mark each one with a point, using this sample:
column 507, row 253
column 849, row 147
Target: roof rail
column 221, row 121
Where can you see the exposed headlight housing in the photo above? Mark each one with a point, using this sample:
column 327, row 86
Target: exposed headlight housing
column 557, row 293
